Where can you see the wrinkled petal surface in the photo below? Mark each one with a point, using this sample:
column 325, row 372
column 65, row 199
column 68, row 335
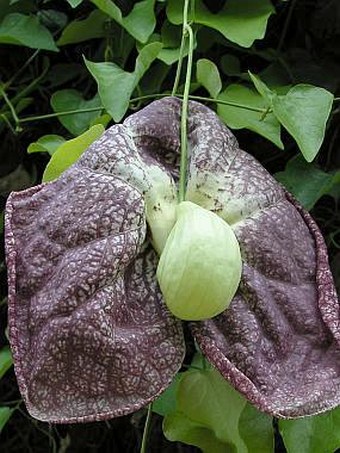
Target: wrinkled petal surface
column 90, row 335
column 278, row 342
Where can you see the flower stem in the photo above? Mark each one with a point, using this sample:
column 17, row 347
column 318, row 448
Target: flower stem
column 184, row 118
column 141, row 98
column 186, row 33
column 181, row 50
column 179, row 67
column 146, row 430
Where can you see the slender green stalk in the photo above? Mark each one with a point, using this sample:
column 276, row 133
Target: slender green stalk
column 7, row 84
column 86, row 110
column 30, row 87
column 7, row 121
column 181, row 50
column 193, row 11
column 141, row 98
column 179, row 67
column 184, row 118
column 22, row 68
column 54, row 115
column 10, row 105
column 231, row 103
column 146, row 430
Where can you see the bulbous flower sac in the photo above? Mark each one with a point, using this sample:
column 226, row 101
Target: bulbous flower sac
column 200, row 267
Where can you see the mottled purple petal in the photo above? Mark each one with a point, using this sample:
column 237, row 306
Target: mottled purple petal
column 156, row 132
column 88, row 326
column 90, row 335
column 122, row 153
column 278, row 342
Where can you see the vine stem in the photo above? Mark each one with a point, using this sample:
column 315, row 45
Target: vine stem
column 21, row 70
column 184, row 117
column 230, row 103
column 8, row 123
column 10, row 105
column 146, row 430
column 181, row 50
column 179, row 66
column 141, row 98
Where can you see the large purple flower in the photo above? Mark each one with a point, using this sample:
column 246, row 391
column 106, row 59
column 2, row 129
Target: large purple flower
column 90, row 334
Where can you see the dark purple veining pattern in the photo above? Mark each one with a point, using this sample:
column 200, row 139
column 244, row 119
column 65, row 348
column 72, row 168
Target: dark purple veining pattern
column 279, row 340
column 89, row 332
column 90, row 335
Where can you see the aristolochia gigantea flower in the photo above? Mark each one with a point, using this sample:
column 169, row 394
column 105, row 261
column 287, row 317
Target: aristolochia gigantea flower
column 90, row 333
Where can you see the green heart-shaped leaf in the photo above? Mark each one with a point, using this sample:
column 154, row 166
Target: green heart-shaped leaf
column 70, row 151
column 239, row 118
column 76, row 123
column 240, row 21
column 140, row 22
column 23, row 30
column 317, row 434
column 304, row 111
column 115, row 86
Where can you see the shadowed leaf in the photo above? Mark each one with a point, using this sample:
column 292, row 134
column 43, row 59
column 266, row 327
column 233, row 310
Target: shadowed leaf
column 240, row 21
column 320, row 433
column 24, row 30
column 306, row 181
column 66, row 100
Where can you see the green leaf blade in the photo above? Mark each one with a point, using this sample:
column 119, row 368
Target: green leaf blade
column 70, row 99
column 203, row 396
column 165, row 404
column 256, row 430
column 46, row 144
column 5, row 360
column 75, row 3
column 303, row 112
column 320, row 433
column 306, row 181
column 178, row 427
column 5, row 415
column 240, row 21
column 91, row 27
column 209, row 77
column 69, row 152
column 239, row 118
column 19, row 29
column 115, row 86
column 261, row 87
column 139, row 23
column 213, row 416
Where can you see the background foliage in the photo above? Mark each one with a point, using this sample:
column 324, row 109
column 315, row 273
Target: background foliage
column 271, row 69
